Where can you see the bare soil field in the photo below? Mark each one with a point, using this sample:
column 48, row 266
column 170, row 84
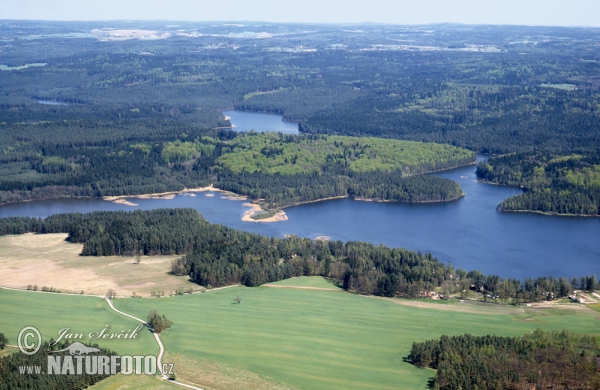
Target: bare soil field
column 48, row 260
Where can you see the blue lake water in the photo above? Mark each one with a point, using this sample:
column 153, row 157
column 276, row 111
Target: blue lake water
column 468, row 232
column 258, row 121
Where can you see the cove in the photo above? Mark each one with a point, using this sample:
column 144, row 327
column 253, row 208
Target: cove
column 259, row 121
column 468, row 232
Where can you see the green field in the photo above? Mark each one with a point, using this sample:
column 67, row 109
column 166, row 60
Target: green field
column 325, row 340
column 307, row 281
column 50, row 313
column 7, row 351
column 133, row 382
column 283, row 336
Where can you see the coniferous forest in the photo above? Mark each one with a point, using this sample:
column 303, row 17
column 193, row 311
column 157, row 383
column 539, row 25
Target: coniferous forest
column 120, row 117
column 216, row 256
column 539, row 360
column 556, row 184
column 12, row 378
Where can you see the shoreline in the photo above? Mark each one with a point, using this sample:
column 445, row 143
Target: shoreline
column 448, row 169
column 256, row 209
column 462, row 195
column 549, row 213
column 283, row 119
column 546, row 213
column 169, row 194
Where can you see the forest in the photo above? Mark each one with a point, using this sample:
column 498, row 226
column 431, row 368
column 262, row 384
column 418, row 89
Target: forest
column 13, row 379
column 133, row 106
column 247, row 164
column 216, row 256
column 552, row 183
column 541, row 360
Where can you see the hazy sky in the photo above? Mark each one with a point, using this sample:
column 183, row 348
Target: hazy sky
column 529, row 12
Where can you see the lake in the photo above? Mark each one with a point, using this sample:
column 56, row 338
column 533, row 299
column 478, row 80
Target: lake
column 7, row 67
column 468, row 232
column 258, row 121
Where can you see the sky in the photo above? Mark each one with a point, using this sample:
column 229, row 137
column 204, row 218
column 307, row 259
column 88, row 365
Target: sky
column 521, row 12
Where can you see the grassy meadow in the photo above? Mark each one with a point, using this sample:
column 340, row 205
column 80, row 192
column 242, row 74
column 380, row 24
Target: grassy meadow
column 325, row 340
column 295, row 336
column 306, row 281
column 133, row 382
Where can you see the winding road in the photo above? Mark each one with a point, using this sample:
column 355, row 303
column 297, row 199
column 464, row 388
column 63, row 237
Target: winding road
column 160, row 346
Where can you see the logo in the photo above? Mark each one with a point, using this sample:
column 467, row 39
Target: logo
column 25, row 335
column 78, row 349
column 76, row 359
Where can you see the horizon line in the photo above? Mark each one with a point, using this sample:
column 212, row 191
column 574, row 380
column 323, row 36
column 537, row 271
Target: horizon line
column 364, row 23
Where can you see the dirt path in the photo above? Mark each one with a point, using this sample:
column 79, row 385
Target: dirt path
column 587, row 298
column 301, row 287
column 160, row 346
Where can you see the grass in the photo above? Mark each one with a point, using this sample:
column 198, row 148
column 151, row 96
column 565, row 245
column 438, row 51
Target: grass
column 48, row 260
column 50, row 313
column 7, row 351
column 204, row 373
column 282, row 337
column 594, row 306
column 324, row 340
column 214, row 376
column 307, row 281
column 133, row 382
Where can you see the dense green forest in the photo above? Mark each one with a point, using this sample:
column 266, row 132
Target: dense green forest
column 217, row 256
column 155, row 232
column 285, row 155
column 538, row 360
column 131, row 106
column 553, row 183
column 12, row 378
column 247, row 164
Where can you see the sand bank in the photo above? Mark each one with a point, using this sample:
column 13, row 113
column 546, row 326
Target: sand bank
column 255, row 209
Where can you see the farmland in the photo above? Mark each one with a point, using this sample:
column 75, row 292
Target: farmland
column 51, row 312
column 49, row 260
column 323, row 339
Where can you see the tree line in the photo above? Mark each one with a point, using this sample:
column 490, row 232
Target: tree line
column 542, row 359
column 215, row 255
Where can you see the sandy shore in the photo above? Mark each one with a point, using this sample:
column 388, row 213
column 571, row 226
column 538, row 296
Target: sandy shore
column 125, row 202
column 255, row 209
column 122, row 199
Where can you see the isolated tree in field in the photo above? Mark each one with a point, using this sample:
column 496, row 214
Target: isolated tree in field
column 110, row 294
column 138, row 258
column 158, row 322
column 237, row 300
column 3, row 341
